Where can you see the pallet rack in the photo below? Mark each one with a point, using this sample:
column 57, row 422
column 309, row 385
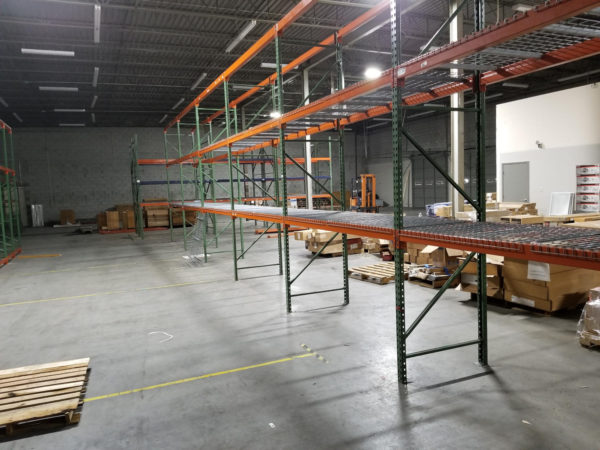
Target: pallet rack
column 10, row 220
column 553, row 32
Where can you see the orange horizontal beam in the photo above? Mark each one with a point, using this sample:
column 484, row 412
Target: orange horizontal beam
column 311, row 53
column 7, row 170
column 267, row 161
column 256, row 199
column 10, row 257
column 5, row 126
column 161, row 162
column 494, row 35
column 295, row 13
column 554, row 58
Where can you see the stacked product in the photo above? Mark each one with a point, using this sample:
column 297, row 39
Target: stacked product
column 588, row 188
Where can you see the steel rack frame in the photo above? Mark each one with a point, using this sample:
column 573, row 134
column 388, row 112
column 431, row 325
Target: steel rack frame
column 410, row 84
column 10, row 219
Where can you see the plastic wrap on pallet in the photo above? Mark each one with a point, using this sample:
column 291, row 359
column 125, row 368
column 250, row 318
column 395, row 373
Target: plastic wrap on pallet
column 588, row 328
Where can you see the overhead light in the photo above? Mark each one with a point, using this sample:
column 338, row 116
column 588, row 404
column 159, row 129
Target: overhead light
column 579, row 75
column 71, row 124
column 93, row 118
column 198, row 81
column 97, row 12
column 163, row 119
column 59, row 88
column 521, row 7
column 181, row 100
column 94, row 100
column 68, row 110
column 3, row 102
column 372, row 73
column 95, row 77
column 275, row 114
column 236, row 40
column 515, row 85
column 35, row 51
column 17, row 117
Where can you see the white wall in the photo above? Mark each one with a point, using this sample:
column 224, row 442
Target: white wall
column 567, row 123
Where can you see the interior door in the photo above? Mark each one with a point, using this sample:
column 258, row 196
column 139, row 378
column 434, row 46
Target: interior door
column 515, row 182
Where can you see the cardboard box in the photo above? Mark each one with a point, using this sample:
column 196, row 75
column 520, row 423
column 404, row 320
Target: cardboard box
column 67, row 216
column 157, row 216
column 587, row 207
column 468, row 283
column 127, row 219
column 101, row 221
column 588, row 179
column 112, row 220
column 354, row 246
column 587, row 197
column 441, row 257
column 588, row 188
column 588, row 169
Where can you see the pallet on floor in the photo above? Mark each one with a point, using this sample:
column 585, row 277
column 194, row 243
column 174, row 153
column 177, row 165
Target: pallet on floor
column 382, row 273
column 33, row 395
column 131, row 230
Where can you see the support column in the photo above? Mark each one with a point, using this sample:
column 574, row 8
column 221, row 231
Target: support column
column 204, row 223
column 230, row 165
column 397, row 153
column 182, row 186
column 457, row 121
column 308, row 149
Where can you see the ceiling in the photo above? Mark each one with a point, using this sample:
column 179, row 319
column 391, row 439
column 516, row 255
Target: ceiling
column 151, row 52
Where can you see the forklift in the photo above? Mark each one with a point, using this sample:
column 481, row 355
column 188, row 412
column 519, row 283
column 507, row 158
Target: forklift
column 364, row 194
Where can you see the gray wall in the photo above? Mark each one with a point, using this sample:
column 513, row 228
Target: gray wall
column 88, row 169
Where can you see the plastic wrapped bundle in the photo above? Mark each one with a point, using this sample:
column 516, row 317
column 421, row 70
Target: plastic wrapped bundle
column 588, row 328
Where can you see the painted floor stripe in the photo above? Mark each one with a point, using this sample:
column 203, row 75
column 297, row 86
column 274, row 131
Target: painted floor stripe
column 95, row 294
column 54, row 255
column 201, row 377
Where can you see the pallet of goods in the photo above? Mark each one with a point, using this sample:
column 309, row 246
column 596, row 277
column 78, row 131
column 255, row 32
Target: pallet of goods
column 588, row 328
column 587, row 195
column 315, row 240
column 469, row 279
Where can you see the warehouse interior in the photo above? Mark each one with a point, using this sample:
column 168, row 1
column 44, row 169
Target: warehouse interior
column 299, row 223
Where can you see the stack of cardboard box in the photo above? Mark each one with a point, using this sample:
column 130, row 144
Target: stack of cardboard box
column 372, row 245
column 469, row 279
column 315, row 240
column 121, row 217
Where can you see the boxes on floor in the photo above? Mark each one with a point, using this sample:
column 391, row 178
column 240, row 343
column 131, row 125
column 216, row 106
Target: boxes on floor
column 112, row 220
column 548, row 287
column 468, row 276
column 67, row 216
column 101, row 221
column 440, row 256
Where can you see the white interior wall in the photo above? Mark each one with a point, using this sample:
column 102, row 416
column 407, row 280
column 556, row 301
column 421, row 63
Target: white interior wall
column 566, row 123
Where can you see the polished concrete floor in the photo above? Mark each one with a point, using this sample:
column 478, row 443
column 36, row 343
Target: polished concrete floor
column 146, row 317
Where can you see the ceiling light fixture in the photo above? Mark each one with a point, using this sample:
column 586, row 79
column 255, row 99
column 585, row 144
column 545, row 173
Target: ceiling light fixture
column 275, row 115
column 236, row 40
column 97, row 12
column 95, row 77
column 94, row 100
column 163, row 119
column 3, row 102
column 372, row 73
column 68, row 110
column 71, row 124
column 515, row 85
column 268, row 65
column 17, row 117
column 59, row 88
column 181, row 100
column 579, row 75
column 93, row 118
column 198, row 81
column 521, row 7
column 35, row 51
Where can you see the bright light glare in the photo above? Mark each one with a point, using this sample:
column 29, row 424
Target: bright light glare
column 372, row 73
column 275, row 114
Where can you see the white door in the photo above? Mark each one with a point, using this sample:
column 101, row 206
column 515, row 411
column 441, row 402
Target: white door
column 515, row 182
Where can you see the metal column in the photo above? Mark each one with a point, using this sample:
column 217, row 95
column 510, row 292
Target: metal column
column 230, row 165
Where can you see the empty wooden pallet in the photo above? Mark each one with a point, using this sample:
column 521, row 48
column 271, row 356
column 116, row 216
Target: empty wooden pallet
column 381, row 273
column 35, row 394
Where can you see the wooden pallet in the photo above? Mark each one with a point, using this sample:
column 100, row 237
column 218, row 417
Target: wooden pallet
column 382, row 273
column 32, row 395
column 523, row 219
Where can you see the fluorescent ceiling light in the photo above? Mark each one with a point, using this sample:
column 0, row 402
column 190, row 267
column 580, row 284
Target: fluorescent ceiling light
column 35, row 51
column 97, row 12
column 275, row 114
column 93, row 118
column 198, row 81
column 515, row 85
column 521, row 7
column 579, row 75
column 163, row 119
column 68, row 110
column 268, row 65
column 17, row 117
column 181, row 100
column 94, row 100
column 372, row 73
column 71, row 124
column 236, row 40
column 59, row 88
column 3, row 102
column 95, row 77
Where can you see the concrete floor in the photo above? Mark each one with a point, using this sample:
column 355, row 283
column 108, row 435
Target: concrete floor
column 108, row 295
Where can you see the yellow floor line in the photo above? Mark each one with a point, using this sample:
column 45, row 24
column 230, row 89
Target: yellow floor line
column 201, row 377
column 54, row 255
column 94, row 294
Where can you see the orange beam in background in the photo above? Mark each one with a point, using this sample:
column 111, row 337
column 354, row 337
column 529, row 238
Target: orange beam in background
column 161, row 162
column 494, row 35
column 7, row 170
column 352, row 26
column 10, row 257
column 295, row 13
